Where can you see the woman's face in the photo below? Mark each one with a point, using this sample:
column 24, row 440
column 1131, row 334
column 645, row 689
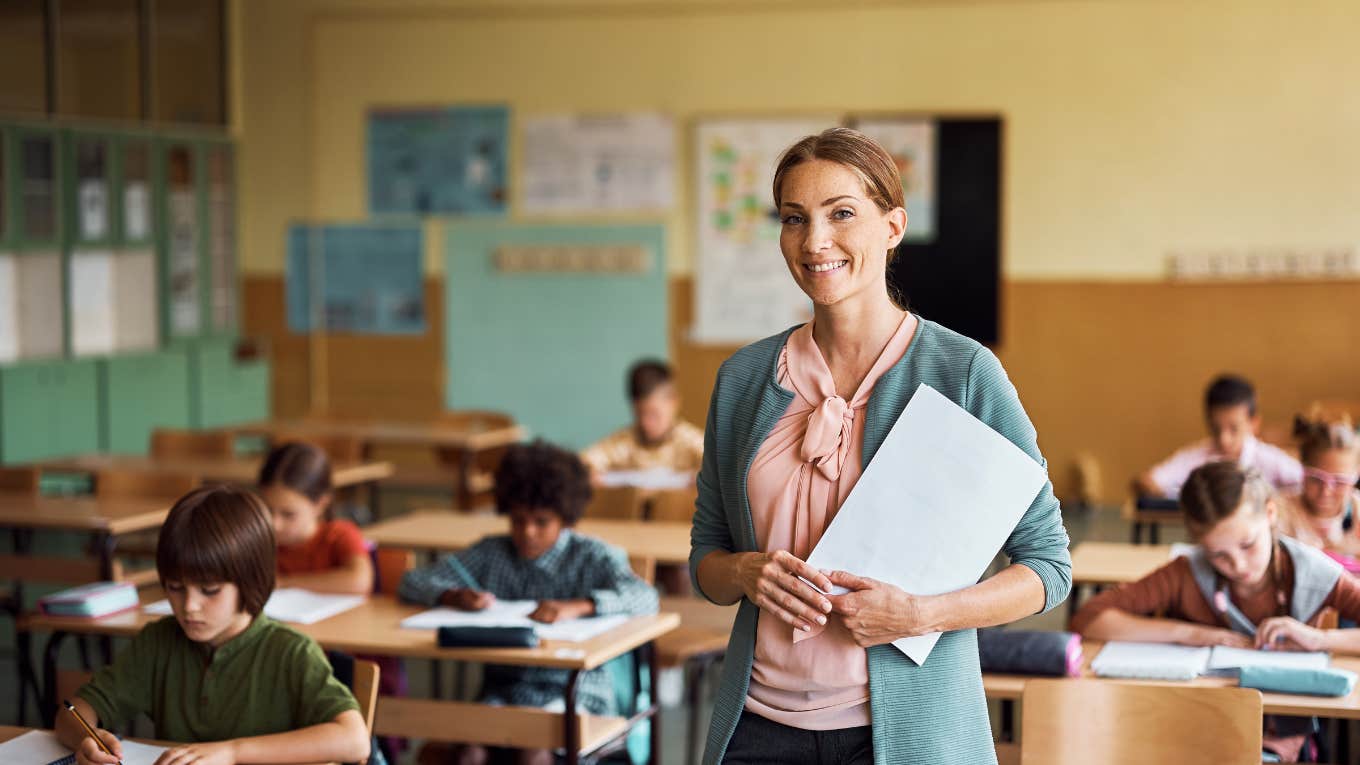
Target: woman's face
column 835, row 240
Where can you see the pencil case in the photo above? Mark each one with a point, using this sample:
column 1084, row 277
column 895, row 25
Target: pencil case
column 1029, row 652
column 486, row 637
column 1310, row 682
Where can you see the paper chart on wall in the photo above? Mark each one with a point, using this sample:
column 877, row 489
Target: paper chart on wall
column 597, row 163
column 743, row 290
column 911, row 142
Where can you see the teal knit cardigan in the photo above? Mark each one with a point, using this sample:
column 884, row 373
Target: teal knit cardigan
column 934, row 713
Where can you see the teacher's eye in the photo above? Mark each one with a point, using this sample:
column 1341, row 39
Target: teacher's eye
column 792, row 219
column 845, row 213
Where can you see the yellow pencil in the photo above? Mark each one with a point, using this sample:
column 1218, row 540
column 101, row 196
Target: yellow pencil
column 97, row 740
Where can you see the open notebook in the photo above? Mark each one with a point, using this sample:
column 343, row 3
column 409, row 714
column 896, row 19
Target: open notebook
column 41, row 747
column 514, row 613
column 1160, row 661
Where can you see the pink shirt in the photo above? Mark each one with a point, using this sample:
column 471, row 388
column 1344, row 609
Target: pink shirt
column 1275, row 465
column 802, row 473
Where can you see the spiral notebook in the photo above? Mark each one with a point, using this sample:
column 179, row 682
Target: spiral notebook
column 41, row 747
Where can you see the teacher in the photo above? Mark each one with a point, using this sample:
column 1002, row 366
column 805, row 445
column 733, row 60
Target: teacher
column 792, row 423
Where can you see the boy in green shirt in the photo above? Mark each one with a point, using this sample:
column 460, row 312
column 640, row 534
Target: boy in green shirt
column 220, row 673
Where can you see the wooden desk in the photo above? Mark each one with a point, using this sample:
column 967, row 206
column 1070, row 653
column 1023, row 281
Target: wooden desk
column 8, row 732
column 230, row 470
column 1102, row 563
column 699, row 641
column 1151, row 518
column 448, row 531
column 375, row 628
column 1011, row 687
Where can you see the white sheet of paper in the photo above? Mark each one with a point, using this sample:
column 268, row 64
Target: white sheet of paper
column 1227, row 657
column 41, row 747
column 514, row 613
column 290, row 604
column 934, row 506
column 648, row 479
column 1150, row 661
column 1181, row 549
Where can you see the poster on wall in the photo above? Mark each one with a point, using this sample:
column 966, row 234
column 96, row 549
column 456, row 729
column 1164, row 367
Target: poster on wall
column 438, row 160
column 743, row 290
column 361, row 278
column 601, row 163
column 182, row 221
column 911, row 142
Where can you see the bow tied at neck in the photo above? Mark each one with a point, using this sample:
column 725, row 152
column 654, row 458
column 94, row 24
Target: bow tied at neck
column 828, row 436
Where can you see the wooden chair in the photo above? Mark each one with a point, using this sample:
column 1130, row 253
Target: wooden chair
column 143, row 484
column 478, row 490
column 365, row 690
column 644, row 566
column 622, row 503
column 188, row 444
column 673, row 505
column 389, row 565
column 339, row 447
column 1084, row 721
column 19, row 479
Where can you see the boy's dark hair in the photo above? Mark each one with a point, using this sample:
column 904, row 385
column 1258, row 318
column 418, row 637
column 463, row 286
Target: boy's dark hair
column 540, row 475
column 1230, row 390
column 1215, row 490
column 645, row 377
column 298, row 466
column 220, row 534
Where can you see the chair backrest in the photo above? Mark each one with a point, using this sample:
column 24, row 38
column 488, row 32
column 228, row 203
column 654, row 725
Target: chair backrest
column 475, row 419
column 143, row 483
column 615, row 502
column 365, row 689
column 673, row 505
column 389, row 565
column 19, row 479
column 339, row 447
column 1118, row 723
column 644, row 566
column 182, row 444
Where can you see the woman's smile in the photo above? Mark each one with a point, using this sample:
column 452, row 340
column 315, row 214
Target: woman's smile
column 826, row 267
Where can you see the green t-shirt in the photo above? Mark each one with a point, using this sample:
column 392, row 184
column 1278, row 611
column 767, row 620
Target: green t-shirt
column 268, row 679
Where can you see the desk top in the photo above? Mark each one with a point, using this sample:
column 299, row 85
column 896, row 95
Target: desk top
column 231, row 470
column 445, row 530
column 375, row 628
column 474, row 436
column 117, row 515
column 1339, row 707
column 1116, row 562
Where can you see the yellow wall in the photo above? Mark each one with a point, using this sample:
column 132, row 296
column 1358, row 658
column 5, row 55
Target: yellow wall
column 1134, row 127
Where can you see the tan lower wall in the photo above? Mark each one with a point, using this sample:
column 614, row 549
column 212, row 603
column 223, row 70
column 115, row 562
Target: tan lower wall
column 1110, row 372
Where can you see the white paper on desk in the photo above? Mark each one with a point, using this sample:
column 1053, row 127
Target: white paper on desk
column 659, row 479
column 934, row 506
column 1150, row 661
column 41, row 747
column 290, row 604
column 1227, row 657
column 514, row 613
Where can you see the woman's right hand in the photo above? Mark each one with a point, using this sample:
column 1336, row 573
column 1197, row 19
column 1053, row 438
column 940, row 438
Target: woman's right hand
column 89, row 752
column 770, row 580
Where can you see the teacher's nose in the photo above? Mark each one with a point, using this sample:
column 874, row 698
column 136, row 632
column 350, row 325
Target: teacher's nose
column 817, row 238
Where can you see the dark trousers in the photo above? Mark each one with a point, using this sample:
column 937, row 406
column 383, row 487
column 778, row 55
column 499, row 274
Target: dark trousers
column 758, row 740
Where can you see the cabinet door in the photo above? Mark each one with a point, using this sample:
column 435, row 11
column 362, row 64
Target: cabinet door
column 25, row 415
column 143, row 392
column 74, row 400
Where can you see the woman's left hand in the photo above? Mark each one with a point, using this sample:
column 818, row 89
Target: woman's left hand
column 876, row 612
column 1283, row 633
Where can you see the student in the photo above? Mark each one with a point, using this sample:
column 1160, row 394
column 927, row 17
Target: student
column 1243, row 585
column 658, row 439
column 232, row 684
column 315, row 552
column 1230, row 413
column 543, row 489
column 1322, row 514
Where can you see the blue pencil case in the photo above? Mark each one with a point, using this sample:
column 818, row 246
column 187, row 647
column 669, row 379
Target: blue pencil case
column 1310, row 682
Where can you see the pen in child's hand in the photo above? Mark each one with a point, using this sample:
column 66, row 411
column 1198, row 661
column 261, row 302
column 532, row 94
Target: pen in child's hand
column 97, row 740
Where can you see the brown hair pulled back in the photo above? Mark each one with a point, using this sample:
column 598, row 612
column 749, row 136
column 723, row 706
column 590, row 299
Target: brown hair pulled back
column 1214, row 491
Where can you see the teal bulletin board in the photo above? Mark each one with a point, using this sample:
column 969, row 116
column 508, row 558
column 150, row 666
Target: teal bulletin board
column 440, row 160
column 550, row 347
column 366, row 278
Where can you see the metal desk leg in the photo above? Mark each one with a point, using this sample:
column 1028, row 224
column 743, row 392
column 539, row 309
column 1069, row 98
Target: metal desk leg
column 1152, row 532
column 571, row 727
column 50, row 654
column 653, row 674
column 1137, row 532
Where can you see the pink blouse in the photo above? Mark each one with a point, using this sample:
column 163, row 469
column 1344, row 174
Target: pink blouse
column 802, row 473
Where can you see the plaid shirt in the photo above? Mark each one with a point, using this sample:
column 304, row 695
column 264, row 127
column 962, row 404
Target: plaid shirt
column 575, row 567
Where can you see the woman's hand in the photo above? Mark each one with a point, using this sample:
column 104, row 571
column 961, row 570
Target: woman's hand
column 1288, row 634
column 770, row 580
column 89, row 752
column 218, row 753
column 877, row 612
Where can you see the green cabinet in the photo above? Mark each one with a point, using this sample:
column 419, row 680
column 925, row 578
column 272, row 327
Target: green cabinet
column 48, row 409
column 141, row 392
column 227, row 390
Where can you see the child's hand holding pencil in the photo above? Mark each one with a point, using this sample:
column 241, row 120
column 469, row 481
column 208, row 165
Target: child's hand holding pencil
column 99, row 747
